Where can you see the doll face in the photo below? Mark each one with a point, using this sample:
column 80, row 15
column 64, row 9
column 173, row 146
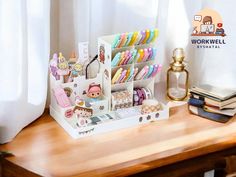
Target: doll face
column 94, row 94
column 94, row 91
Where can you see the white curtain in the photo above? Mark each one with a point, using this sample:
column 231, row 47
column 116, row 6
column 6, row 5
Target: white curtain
column 85, row 20
column 24, row 50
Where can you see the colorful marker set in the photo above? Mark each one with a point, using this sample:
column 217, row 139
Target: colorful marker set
column 148, row 71
column 124, row 58
column 126, row 75
column 134, row 55
column 135, row 38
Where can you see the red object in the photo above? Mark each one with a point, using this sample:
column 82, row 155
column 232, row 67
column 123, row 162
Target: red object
column 219, row 25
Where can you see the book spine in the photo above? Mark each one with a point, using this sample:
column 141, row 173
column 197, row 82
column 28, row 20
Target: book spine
column 207, row 100
column 209, row 115
column 196, row 102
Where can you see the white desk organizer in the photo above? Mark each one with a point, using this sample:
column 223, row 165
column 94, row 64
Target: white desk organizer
column 105, row 119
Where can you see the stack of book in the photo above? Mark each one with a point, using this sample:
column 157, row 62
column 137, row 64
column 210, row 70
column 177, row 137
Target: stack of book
column 213, row 103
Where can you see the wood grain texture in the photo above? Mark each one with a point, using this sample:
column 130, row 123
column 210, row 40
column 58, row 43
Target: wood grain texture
column 46, row 149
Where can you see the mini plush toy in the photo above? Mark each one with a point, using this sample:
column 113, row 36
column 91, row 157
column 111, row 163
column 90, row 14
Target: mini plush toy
column 94, row 92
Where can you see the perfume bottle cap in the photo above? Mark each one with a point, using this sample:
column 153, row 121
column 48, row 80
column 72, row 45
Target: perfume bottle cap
column 178, row 57
column 178, row 53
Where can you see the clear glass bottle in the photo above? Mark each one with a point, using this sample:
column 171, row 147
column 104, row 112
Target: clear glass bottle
column 177, row 77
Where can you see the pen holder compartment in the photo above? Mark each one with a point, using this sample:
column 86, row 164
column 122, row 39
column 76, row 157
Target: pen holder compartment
column 123, row 72
column 115, row 51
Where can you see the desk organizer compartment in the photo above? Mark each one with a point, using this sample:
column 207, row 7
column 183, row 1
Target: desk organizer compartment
column 113, row 111
column 115, row 122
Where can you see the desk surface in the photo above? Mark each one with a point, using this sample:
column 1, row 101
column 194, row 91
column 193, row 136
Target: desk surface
column 46, row 149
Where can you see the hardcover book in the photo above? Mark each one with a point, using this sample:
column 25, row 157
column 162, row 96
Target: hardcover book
column 217, row 92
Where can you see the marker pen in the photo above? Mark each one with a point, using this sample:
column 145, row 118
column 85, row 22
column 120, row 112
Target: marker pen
column 149, row 72
column 150, row 36
column 142, row 73
column 150, row 53
column 129, row 37
column 134, row 74
column 130, row 74
column 146, row 37
column 126, row 76
column 127, row 58
column 116, row 41
column 141, row 54
column 116, row 76
column 138, row 38
column 157, row 71
column 143, row 33
column 123, row 40
column 121, row 76
column 154, row 51
column 155, row 35
column 126, row 53
column 116, row 59
column 134, row 37
column 146, row 54
column 155, row 68
column 134, row 53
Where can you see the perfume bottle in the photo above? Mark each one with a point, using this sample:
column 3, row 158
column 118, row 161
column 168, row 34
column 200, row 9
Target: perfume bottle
column 177, row 77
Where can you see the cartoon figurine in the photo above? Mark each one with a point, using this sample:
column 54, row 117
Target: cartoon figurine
column 63, row 68
column 77, row 70
column 83, row 114
column 94, row 92
column 102, row 53
column 53, row 66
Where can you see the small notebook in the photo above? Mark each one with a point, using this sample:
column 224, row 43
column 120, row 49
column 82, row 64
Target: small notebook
column 217, row 92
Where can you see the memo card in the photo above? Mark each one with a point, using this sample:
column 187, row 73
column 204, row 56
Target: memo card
column 83, row 51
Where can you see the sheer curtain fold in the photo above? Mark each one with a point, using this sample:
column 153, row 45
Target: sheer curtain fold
column 24, row 48
column 81, row 20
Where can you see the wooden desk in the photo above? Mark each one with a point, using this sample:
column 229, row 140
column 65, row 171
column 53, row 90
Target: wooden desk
column 44, row 148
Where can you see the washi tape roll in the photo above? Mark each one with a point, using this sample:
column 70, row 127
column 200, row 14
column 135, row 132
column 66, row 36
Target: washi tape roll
column 150, row 105
column 121, row 99
column 140, row 94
